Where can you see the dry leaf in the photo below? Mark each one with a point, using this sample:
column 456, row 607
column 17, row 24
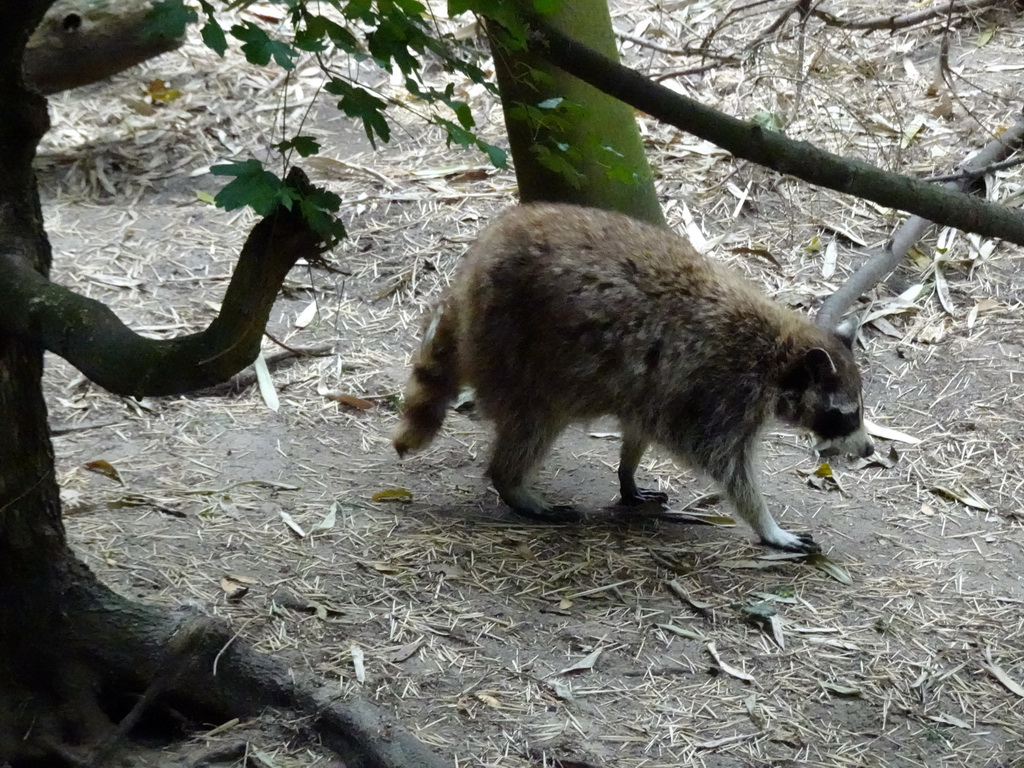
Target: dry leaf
column 387, row 568
column 234, row 590
column 828, row 263
column 350, row 400
column 842, row 690
column 290, row 522
column 584, row 664
column 876, row 430
column 760, row 252
column 942, row 291
column 827, row 565
column 947, row 719
column 392, row 494
column 160, row 91
column 105, row 468
column 407, row 651
column 912, row 130
column 266, row 384
column 965, row 497
column 305, row 317
column 489, row 700
column 1005, row 680
column 688, row 634
column 730, row 670
column 329, row 520
column 357, row 662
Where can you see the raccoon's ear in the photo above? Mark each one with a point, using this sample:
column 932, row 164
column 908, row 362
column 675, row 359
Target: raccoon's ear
column 847, row 332
column 819, row 364
column 815, row 365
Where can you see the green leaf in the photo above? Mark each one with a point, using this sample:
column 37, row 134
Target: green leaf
column 360, row 9
column 253, row 186
column 562, row 161
column 411, row 7
column 304, row 145
column 318, row 209
column 259, row 48
column 213, row 37
column 169, row 18
column 212, row 32
column 497, row 155
column 307, row 39
column 546, row 7
column 358, row 102
column 463, row 113
column 455, row 7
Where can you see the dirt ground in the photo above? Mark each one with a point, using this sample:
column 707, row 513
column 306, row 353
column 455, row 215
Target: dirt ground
column 614, row 642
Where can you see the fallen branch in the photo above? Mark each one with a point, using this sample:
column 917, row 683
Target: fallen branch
column 894, row 22
column 879, row 266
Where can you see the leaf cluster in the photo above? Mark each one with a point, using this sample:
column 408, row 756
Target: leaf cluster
column 397, row 37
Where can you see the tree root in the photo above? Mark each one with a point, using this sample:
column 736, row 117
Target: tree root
column 198, row 666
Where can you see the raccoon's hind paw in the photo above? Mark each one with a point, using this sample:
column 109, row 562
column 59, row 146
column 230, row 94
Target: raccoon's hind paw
column 644, row 496
column 800, row 542
column 559, row 513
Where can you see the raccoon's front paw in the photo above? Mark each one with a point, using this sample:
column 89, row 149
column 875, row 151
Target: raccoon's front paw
column 788, row 542
column 559, row 513
column 643, row 496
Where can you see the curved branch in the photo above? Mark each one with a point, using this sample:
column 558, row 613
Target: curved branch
column 913, row 229
column 774, row 150
column 90, row 336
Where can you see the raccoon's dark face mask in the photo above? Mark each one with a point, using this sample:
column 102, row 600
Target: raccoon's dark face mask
column 822, row 393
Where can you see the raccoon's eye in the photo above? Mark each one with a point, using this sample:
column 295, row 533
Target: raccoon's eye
column 833, row 423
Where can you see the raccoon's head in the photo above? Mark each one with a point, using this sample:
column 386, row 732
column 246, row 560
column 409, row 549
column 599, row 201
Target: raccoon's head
column 821, row 392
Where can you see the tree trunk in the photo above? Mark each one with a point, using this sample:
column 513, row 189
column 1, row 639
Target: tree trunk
column 570, row 142
column 71, row 650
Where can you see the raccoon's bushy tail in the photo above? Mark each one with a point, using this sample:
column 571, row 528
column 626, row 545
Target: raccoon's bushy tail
column 434, row 382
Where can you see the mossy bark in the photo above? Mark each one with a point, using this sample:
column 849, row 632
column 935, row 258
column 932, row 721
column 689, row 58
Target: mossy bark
column 595, row 134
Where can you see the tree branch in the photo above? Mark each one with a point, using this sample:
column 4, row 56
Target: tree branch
column 89, row 335
column 80, row 42
column 774, row 150
column 913, row 229
column 894, row 22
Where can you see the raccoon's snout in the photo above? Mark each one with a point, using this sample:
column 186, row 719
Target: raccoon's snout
column 856, row 444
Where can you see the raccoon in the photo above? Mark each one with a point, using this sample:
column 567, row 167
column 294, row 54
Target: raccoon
column 561, row 314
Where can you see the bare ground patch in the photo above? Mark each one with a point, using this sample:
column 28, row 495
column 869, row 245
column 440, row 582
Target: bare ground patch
column 467, row 622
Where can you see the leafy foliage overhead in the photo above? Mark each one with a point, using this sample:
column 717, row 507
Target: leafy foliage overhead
column 396, row 37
